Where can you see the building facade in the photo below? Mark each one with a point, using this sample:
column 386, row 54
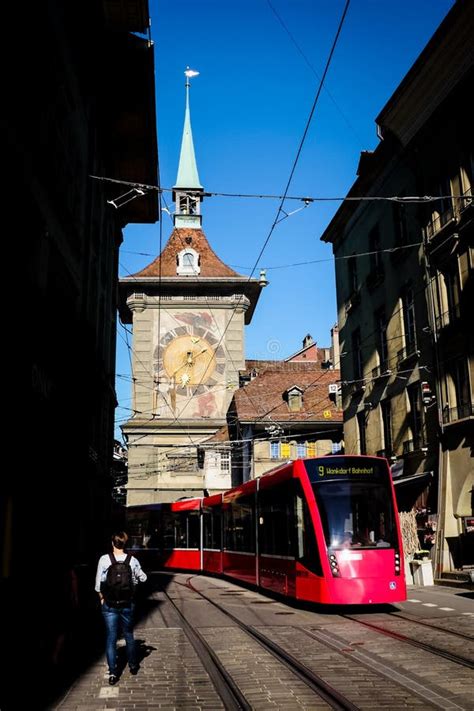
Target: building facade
column 188, row 311
column 403, row 288
column 81, row 102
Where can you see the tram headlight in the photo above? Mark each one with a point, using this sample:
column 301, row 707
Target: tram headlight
column 397, row 563
column 334, row 565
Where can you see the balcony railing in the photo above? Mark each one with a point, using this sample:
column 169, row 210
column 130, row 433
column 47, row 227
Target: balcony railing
column 437, row 223
column 460, row 412
column 448, row 317
column 408, row 351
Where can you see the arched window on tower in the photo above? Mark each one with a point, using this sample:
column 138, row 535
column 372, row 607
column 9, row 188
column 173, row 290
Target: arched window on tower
column 188, row 262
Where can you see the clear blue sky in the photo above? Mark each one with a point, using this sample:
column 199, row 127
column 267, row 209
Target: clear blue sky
column 249, row 107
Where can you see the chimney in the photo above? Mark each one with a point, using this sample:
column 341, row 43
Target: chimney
column 307, row 340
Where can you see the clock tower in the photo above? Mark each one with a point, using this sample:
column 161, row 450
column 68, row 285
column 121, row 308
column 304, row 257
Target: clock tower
column 188, row 311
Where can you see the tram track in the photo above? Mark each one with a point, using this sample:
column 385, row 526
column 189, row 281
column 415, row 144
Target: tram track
column 437, row 628
column 433, row 698
column 450, row 656
column 321, row 688
column 229, row 692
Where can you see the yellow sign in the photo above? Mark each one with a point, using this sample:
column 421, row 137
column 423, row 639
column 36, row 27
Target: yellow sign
column 327, row 414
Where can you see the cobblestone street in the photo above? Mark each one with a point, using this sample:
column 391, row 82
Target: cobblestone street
column 367, row 668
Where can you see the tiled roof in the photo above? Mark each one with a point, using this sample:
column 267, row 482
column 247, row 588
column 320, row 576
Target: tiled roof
column 180, row 238
column 264, row 394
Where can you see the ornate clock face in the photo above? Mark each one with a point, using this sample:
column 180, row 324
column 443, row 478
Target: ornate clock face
column 190, row 360
column 189, row 357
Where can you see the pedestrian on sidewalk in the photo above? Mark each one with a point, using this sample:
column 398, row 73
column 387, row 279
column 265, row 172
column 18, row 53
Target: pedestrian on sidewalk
column 118, row 574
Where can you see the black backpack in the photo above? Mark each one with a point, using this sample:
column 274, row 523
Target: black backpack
column 117, row 588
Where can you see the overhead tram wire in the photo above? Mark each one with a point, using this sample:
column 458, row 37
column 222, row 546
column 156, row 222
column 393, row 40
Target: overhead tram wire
column 416, row 199
column 313, row 70
column 289, row 422
column 359, row 380
column 364, row 341
column 260, row 417
column 348, row 352
column 388, row 250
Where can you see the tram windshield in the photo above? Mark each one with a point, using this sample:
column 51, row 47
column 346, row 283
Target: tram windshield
column 356, row 515
column 355, row 503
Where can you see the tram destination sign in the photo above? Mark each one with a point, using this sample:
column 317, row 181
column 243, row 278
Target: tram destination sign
column 359, row 468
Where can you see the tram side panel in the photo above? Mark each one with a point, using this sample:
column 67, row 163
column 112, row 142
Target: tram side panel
column 289, row 557
column 212, row 534
column 181, row 526
column 166, row 535
column 239, row 539
column 277, row 533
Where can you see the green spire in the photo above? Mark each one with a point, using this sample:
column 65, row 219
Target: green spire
column 187, row 170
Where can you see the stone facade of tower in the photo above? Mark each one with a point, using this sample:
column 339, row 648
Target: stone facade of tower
column 188, row 311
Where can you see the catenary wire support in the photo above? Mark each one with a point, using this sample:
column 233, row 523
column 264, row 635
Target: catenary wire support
column 307, row 203
column 130, row 195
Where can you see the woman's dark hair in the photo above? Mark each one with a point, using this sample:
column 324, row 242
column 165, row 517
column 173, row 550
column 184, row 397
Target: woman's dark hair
column 119, row 539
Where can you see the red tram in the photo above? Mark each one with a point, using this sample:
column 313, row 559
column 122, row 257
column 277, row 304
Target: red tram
column 324, row 530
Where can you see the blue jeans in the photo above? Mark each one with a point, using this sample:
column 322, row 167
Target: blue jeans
column 114, row 618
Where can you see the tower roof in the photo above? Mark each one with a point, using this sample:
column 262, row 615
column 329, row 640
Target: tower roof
column 188, row 176
column 213, row 278
column 181, row 238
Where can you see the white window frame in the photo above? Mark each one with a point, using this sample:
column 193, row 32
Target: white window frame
column 183, row 269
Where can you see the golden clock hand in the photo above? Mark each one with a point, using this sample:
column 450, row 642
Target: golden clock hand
column 204, row 350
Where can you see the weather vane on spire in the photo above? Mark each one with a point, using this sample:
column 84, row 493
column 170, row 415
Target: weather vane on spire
column 188, row 191
column 189, row 73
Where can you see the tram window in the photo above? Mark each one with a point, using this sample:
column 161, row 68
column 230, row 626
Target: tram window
column 212, row 528
column 285, row 526
column 239, row 518
column 143, row 529
column 307, row 551
column 277, row 517
column 181, row 529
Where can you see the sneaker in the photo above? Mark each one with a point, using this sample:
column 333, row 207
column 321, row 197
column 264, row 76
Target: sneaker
column 113, row 679
column 134, row 670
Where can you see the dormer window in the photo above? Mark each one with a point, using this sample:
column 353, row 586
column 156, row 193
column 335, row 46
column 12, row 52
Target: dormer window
column 294, row 397
column 188, row 262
